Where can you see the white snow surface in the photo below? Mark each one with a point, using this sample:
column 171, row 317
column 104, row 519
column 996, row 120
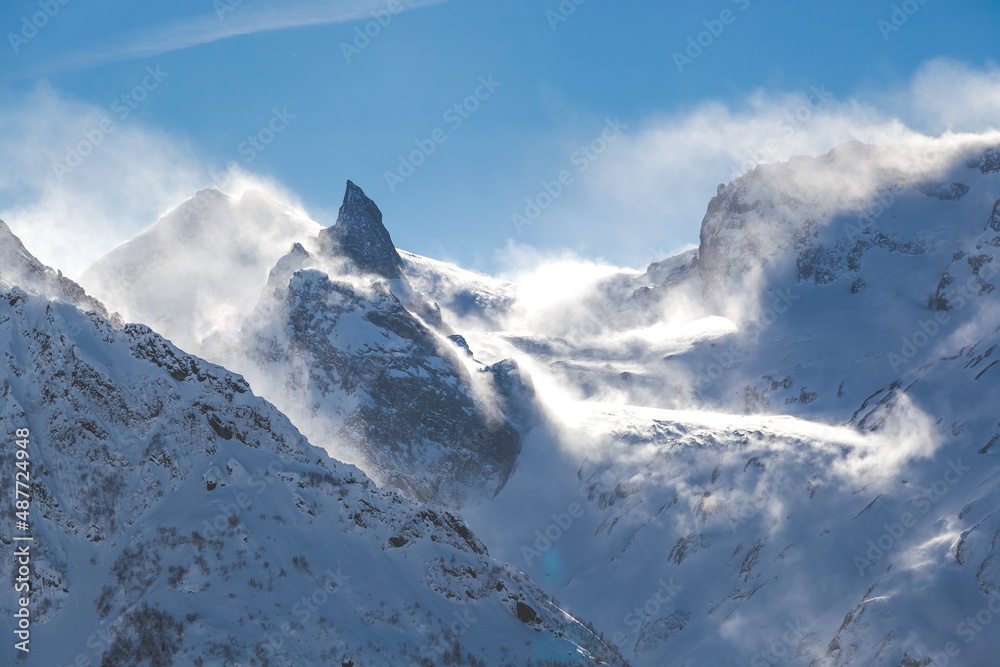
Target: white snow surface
column 218, row 247
column 779, row 448
column 178, row 519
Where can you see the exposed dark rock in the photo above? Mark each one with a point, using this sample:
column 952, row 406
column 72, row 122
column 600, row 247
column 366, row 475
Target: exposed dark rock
column 526, row 614
column 944, row 191
column 360, row 236
column 987, row 162
column 461, row 342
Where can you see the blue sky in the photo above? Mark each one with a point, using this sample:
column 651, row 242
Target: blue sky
column 604, row 75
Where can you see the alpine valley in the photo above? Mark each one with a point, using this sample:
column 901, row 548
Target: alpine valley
column 258, row 441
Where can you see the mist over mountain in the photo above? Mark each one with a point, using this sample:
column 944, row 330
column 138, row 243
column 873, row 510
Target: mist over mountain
column 177, row 518
column 776, row 448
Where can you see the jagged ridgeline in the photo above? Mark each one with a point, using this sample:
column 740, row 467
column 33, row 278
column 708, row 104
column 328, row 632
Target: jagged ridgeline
column 177, row 518
column 775, row 447
column 333, row 332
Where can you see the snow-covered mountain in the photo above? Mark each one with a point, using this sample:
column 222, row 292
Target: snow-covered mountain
column 803, row 449
column 213, row 245
column 338, row 339
column 177, row 518
column 775, row 449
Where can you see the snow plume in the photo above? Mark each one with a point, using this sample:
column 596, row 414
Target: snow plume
column 557, row 295
column 590, row 301
column 834, row 453
column 652, row 189
column 907, row 435
column 71, row 208
column 78, row 180
column 195, row 289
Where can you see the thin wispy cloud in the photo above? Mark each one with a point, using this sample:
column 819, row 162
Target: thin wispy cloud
column 234, row 20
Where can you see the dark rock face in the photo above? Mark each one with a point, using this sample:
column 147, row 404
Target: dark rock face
column 973, row 270
column 462, row 343
column 395, row 396
column 994, row 221
column 988, row 162
column 727, row 218
column 367, row 372
column 525, row 613
column 360, row 236
column 516, row 393
column 944, row 191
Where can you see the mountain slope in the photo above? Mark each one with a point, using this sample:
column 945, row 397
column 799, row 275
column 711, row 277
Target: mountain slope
column 343, row 344
column 214, row 246
column 179, row 519
column 360, row 236
column 778, row 448
column 813, row 483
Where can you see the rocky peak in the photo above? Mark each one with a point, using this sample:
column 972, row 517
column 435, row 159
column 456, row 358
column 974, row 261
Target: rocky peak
column 19, row 267
column 817, row 217
column 360, row 236
column 988, row 162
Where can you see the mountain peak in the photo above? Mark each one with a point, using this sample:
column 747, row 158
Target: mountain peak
column 361, row 237
column 18, row 267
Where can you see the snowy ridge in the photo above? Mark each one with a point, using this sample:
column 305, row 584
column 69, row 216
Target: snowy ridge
column 360, row 236
column 215, row 245
column 179, row 519
column 21, row 268
column 775, row 449
column 337, row 337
